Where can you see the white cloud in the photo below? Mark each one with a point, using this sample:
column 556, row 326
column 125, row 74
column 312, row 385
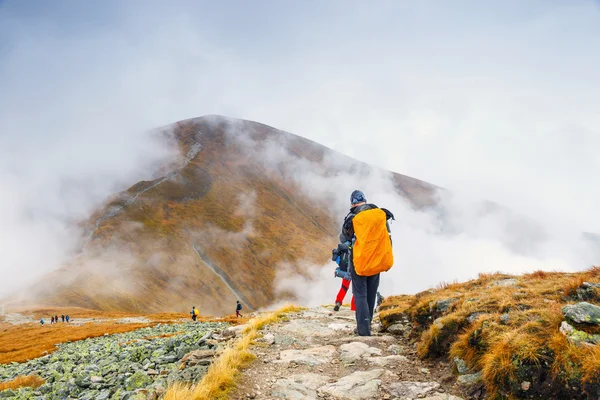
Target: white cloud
column 492, row 101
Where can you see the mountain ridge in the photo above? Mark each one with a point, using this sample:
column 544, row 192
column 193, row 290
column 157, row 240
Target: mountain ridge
column 238, row 195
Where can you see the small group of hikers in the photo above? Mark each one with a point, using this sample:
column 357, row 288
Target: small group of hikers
column 54, row 319
column 365, row 250
column 194, row 313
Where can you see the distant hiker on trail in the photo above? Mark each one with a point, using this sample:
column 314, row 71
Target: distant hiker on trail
column 42, row 321
column 67, row 318
column 56, row 319
column 194, row 313
column 63, row 318
column 238, row 308
column 367, row 233
column 51, row 320
column 340, row 255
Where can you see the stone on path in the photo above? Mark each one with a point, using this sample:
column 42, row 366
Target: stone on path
column 412, row 389
column 442, row 396
column 299, row 387
column 357, row 386
column 385, row 361
column 313, row 356
column 307, row 328
column 352, row 352
column 348, row 327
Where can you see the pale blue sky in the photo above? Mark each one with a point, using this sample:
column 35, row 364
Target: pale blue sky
column 496, row 100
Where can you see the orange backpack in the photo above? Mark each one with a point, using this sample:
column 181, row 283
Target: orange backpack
column 372, row 249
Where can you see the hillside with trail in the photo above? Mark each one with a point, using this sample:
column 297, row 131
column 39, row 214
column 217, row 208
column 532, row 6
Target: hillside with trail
column 314, row 354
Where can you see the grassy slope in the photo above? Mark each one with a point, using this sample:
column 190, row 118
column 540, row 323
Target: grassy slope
column 27, row 341
column 527, row 348
column 198, row 207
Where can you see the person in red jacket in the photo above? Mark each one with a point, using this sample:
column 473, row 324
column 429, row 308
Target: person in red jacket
column 340, row 256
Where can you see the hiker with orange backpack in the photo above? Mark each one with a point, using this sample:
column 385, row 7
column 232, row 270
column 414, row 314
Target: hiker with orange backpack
column 367, row 230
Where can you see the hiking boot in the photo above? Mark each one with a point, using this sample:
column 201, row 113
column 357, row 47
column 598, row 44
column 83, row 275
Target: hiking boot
column 337, row 306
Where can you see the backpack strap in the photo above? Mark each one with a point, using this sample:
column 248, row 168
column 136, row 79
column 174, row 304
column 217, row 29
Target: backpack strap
column 388, row 214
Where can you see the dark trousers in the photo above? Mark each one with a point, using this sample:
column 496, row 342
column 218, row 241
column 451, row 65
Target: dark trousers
column 364, row 289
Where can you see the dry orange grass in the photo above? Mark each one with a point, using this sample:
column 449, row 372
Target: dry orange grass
column 31, row 381
column 221, row 375
column 506, row 351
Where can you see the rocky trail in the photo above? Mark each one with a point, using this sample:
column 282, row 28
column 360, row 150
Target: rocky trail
column 316, row 355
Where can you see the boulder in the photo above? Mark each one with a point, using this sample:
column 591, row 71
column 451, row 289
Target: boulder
column 582, row 313
column 197, row 357
column 577, row 336
column 461, row 366
column 444, row 305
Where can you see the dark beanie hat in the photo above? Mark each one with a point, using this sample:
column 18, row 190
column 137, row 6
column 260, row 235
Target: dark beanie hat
column 357, row 197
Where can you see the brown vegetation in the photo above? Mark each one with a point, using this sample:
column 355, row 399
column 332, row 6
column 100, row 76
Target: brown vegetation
column 31, row 381
column 509, row 333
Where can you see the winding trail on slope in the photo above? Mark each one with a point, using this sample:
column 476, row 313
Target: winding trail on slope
column 191, row 154
column 225, row 278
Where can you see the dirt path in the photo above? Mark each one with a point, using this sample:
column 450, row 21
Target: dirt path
column 316, row 355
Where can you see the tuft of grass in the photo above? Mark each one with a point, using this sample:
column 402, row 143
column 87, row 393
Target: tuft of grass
column 32, row 381
column 509, row 333
column 221, row 375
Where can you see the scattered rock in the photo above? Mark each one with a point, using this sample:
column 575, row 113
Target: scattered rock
column 461, row 366
column 342, row 327
column 385, row 361
column 352, row 352
column 301, row 386
column 307, row 328
column 312, row 356
column 582, row 313
column 577, row 336
column 442, row 396
column 505, row 319
column 395, row 349
column 473, row 317
column 444, row 305
column 412, row 389
column 285, row 340
column 398, row 329
column 525, row 386
column 505, row 282
column 198, row 357
column 469, row 380
column 237, row 330
column 356, row 386
column 269, row 339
